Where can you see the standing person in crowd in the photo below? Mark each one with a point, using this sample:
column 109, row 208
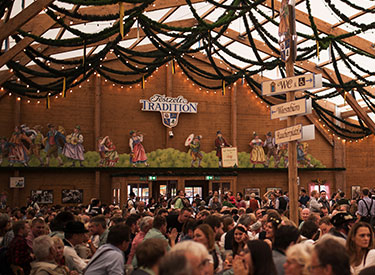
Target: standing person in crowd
column 253, row 203
column 38, row 228
column 270, row 199
column 240, row 201
column 109, row 258
column 178, row 220
column 159, row 231
column 19, row 253
column 366, row 206
column 314, row 204
column 342, row 223
column 323, row 200
column 179, row 201
column 149, row 254
column 98, row 227
column 132, row 222
column 305, row 213
column 144, row 224
column 74, row 235
column 342, row 200
column 273, row 221
column 329, row 257
column 59, row 247
column 297, row 259
column 304, row 198
column 45, row 252
column 360, row 245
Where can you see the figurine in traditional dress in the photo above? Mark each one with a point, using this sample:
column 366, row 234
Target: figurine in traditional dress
column 37, row 142
column 73, row 148
column 107, row 151
column 195, row 151
column 18, row 151
column 220, row 142
column 137, row 151
column 271, row 146
column 54, row 141
column 302, row 158
column 257, row 155
column 283, row 153
column 4, row 148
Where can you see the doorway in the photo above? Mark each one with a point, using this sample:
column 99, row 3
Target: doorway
column 194, row 187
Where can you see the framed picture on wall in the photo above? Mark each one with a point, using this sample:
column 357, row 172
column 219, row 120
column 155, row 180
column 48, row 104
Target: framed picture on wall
column 248, row 191
column 72, row 195
column 356, row 191
column 42, row 196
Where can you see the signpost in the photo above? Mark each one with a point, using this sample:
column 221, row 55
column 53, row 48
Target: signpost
column 288, row 134
column 292, row 84
column 292, row 108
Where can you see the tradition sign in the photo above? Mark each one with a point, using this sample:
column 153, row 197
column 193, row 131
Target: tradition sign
column 230, row 157
column 294, row 83
column 291, row 108
column 288, row 134
column 169, row 107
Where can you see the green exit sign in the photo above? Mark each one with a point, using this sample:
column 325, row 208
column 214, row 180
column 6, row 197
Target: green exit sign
column 209, row 177
column 151, row 178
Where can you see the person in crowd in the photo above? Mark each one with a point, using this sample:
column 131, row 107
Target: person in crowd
column 305, row 213
column 178, row 220
column 310, row 231
column 45, row 256
column 58, row 223
column 240, row 201
column 188, row 228
column 19, row 253
column 144, row 224
column 270, row 199
column 253, row 203
column 329, row 257
column 323, row 200
column 132, row 222
column 285, row 236
column 5, row 226
column 159, row 231
column 205, row 235
column 342, row 222
column 98, row 227
column 257, row 260
column 216, row 224
column 325, row 225
column 168, row 265
column 342, row 200
column 368, row 271
column 273, row 221
column 360, row 246
column 226, row 240
column 109, row 258
column 38, row 227
column 149, row 253
column 196, row 255
column 314, row 204
column 297, row 259
column 304, row 198
column 74, row 235
column 59, row 247
column 366, row 206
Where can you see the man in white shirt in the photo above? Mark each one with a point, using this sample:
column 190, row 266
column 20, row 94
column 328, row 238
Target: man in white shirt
column 74, row 235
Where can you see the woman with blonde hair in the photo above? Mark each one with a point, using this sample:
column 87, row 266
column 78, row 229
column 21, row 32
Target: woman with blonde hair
column 360, row 246
column 297, row 258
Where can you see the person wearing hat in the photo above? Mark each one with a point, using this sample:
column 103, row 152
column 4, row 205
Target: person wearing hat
column 53, row 139
column 257, row 155
column 73, row 148
column 342, row 222
column 220, row 142
column 195, row 151
column 74, row 235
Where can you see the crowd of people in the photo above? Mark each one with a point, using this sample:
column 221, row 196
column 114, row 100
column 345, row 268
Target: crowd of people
column 220, row 234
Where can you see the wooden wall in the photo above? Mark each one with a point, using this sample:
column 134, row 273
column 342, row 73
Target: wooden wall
column 121, row 112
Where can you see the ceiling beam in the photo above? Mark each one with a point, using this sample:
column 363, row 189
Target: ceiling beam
column 28, row 13
column 352, row 102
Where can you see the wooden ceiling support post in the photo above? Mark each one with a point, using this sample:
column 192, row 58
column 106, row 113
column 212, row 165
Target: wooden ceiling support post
column 233, row 115
column 169, row 92
column 97, row 125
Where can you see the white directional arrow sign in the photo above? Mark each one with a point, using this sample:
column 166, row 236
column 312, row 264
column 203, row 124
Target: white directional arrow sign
column 289, row 84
